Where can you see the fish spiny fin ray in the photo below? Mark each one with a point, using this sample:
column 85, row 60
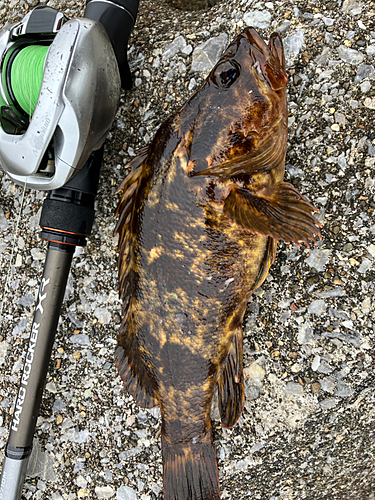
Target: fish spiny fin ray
column 281, row 212
column 230, row 386
column 135, row 165
column 124, row 210
column 129, row 360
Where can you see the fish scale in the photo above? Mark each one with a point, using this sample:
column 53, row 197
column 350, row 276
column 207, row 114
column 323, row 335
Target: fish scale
column 199, row 220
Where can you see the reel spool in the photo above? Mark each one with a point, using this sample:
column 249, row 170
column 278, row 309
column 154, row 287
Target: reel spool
column 22, row 79
column 59, row 89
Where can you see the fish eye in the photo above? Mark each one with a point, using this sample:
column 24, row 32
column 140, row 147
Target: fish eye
column 226, row 74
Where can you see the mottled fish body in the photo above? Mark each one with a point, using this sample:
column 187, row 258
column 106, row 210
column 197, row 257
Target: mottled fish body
column 199, row 219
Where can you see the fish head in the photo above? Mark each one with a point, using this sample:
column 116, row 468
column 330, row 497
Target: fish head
column 241, row 106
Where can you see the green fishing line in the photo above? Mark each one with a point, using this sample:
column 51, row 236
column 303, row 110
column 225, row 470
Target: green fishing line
column 26, row 76
column 2, row 102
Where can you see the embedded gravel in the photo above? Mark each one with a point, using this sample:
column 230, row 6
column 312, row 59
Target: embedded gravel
column 308, row 429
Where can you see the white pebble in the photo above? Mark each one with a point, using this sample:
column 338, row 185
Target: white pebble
column 104, row 491
column 192, row 84
column 370, row 102
column 305, row 333
column 178, row 44
column 328, row 384
column 361, row 25
column 255, row 374
column 4, row 223
column 103, row 315
column 294, row 388
column 81, row 482
column 257, row 18
column 350, row 56
column 80, row 339
column 295, row 368
column 3, row 351
column 187, row 50
column 316, row 362
column 317, row 307
column 206, row 55
column 365, row 266
column 292, row 46
column 318, row 258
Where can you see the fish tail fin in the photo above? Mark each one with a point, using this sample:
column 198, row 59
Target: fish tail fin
column 190, row 471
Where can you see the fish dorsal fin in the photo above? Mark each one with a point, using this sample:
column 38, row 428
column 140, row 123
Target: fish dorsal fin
column 131, row 366
column 124, row 210
column 280, row 211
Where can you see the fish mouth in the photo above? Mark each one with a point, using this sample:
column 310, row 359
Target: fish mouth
column 268, row 60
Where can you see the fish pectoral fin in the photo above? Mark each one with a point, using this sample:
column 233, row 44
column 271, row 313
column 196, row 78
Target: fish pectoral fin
column 230, row 386
column 282, row 213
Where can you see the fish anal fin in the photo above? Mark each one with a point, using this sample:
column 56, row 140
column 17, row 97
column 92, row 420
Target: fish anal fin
column 279, row 211
column 230, row 386
column 131, row 365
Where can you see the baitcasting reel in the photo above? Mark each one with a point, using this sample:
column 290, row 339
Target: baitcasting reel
column 77, row 100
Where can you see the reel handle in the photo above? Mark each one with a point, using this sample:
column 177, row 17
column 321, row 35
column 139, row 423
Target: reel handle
column 118, row 18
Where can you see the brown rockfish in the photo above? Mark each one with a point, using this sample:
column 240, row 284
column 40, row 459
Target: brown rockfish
column 199, row 220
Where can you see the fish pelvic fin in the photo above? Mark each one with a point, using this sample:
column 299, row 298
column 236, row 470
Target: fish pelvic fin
column 230, row 386
column 279, row 211
column 190, row 471
column 268, row 260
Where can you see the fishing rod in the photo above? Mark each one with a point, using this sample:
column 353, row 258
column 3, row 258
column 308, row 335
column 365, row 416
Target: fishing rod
column 51, row 138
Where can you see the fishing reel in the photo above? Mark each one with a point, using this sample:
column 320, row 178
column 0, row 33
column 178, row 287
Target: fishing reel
column 59, row 91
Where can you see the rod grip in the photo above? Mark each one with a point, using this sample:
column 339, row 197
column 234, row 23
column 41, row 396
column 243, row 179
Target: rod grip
column 12, row 478
column 42, row 335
